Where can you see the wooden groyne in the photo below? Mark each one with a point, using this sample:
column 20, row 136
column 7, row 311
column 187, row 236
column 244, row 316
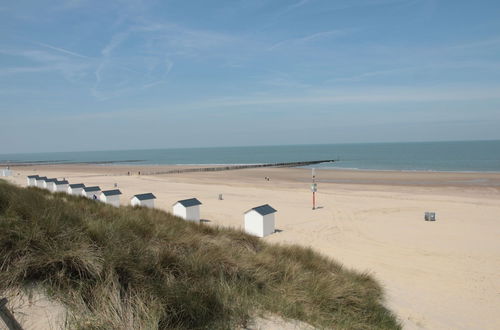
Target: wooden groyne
column 239, row 167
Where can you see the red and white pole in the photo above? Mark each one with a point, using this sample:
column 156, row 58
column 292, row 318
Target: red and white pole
column 314, row 200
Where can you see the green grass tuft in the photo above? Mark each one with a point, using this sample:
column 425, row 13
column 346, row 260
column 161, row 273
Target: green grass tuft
column 117, row 268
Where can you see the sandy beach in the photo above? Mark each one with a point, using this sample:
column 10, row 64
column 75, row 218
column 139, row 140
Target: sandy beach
column 437, row 275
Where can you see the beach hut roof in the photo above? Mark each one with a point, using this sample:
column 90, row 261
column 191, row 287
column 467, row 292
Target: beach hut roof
column 263, row 209
column 33, row 176
column 61, row 182
column 142, row 197
column 51, row 180
column 42, row 178
column 189, row 202
column 94, row 188
column 77, row 185
column 113, row 192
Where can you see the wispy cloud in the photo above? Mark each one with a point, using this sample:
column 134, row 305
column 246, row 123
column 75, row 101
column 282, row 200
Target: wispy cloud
column 111, row 79
column 116, row 40
column 359, row 96
column 486, row 43
column 68, row 5
column 114, row 79
column 156, row 45
column 342, row 5
column 346, row 4
column 312, row 37
column 298, row 4
column 284, row 82
column 62, row 50
column 442, row 66
column 325, row 34
column 178, row 39
column 137, row 57
column 376, row 73
column 25, row 69
column 72, row 69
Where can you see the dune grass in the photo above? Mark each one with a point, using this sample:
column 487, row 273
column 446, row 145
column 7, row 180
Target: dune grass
column 137, row 268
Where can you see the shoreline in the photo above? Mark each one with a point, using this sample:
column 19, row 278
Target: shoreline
column 129, row 163
column 409, row 171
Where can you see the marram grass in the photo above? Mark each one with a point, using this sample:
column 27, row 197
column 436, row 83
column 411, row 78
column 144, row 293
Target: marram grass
column 138, row 268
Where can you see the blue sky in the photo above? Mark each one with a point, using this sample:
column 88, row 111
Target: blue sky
column 100, row 75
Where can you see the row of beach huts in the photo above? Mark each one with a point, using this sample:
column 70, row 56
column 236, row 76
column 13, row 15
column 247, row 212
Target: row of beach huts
column 258, row 221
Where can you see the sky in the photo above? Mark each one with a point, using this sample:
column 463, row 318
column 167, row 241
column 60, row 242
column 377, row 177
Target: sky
column 81, row 75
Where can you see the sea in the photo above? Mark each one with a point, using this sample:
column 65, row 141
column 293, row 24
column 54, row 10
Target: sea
column 457, row 156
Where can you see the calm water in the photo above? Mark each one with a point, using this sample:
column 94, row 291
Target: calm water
column 477, row 156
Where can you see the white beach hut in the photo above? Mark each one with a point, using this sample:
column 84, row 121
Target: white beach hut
column 188, row 209
column 31, row 180
column 49, row 184
column 5, row 172
column 75, row 189
column 91, row 192
column 259, row 221
column 111, row 197
column 60, row 186
column 40, row 181
column 147, row 200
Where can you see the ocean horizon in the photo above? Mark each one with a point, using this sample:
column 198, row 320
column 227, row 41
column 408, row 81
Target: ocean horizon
column 453, row 156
